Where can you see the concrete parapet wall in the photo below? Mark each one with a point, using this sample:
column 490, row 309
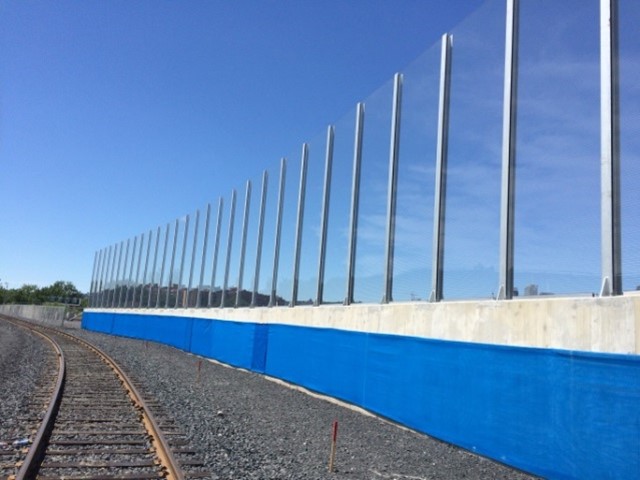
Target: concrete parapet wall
column 603, row 325
column 48, row 315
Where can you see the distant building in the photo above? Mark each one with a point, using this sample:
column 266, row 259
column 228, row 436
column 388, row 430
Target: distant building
column 531, row 290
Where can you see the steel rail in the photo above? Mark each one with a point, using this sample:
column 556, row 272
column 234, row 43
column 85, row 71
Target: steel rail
column 32, row 461
column 168, row 462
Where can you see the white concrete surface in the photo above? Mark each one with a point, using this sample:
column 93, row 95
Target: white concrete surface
column 606, row 325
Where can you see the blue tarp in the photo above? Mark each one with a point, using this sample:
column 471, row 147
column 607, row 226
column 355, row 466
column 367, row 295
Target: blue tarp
column 555, row 413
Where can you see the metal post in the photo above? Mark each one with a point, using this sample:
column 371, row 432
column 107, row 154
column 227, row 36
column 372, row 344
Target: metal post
column 164, row 260
column 182, row 257
column 216, row 246
column 392, row 189
column 173, row 261
column 153, row 268
column 324, row 220
column 509, row 120
column 232, row 216
column 610, row 150
column 193, row 258
column 117, row 253
column 105, row 279
column 133, row 257
column 138, row 283
column 146, row 267
column 93, row 278
column 204, row 253
column 299, row 223
column 101, row 285
column 117, row 277
column 263, row 202
column 124, row 274
column 355, row 203
column 98, row 287
column 243, row 243
column 440, row 191
column 276, row 249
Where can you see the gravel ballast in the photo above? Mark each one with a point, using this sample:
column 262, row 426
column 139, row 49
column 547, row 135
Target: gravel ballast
column 249, row 427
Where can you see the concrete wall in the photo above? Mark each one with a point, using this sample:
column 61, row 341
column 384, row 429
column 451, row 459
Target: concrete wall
column 604, row 325
column 548, row 385
column 47, row 315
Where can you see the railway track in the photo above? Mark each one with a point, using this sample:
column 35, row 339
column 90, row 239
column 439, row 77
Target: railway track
column 98, row 426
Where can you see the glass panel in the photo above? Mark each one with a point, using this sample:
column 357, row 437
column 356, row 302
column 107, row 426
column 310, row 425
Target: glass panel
column 217, row 249
column 416, row 170
column 288, row 238
column 246, row 284
column 370, row 251
column 474, row 165
column 308, row 278
column 193, row 259
column 266, row 258
column 222, row 255
column 630, row 141
column 335, row 276
column 176, row 263
column 557, row 220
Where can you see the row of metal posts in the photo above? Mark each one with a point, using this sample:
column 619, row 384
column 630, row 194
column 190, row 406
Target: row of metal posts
column 106, row 269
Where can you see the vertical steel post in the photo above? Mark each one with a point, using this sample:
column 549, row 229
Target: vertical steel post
column 324, row 220
column 114, row 274
column 173, row 261
column 227, row 264
column 509, row 121
column 137, row 280
column 153, row 268
column 105, row 279
column 193, row 259
column 203, row 260
column 263, row 202
column 610, row 150
column 101, row 277
column 355, row 203
column 117, row 277
column 276, row 249
column 133, row 257
column 93, row 278
column 440, row 191
column 216, row 247
column 182, row 257
column 124, row 274
column 146, row 266
column 98, row 285
column 299, row 224
column 243, row 243
column 392, row 189
column 164, row 260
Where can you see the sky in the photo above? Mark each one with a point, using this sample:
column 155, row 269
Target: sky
column 118, row 116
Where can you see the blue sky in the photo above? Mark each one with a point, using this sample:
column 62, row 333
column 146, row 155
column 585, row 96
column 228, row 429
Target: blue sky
column 119, row 116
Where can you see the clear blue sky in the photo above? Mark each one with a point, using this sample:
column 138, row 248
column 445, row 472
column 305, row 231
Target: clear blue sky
column 117, row 116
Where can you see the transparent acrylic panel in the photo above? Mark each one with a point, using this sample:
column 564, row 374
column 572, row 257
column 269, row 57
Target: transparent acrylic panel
column 472, row 218
column 234, row 263
column 310, row 247
column 630, row 141
column 416, row 178
column 176, row 266
column 214, row 270
column 193, row 260
column 557, row 219
column 142, row 298
column 335, row 276
column 164, row 259
column 224, row 249
column 245, row 284
column 130, row 282
column 288, row 238
column 250, row 248
column 370, row 251
column 268, row 237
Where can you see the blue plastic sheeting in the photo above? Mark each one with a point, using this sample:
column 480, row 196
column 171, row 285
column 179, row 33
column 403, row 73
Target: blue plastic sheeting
column 554, row 413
